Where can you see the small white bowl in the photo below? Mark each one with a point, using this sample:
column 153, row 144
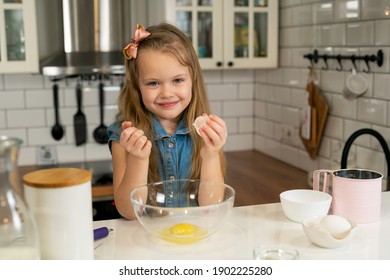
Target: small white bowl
column 322, row 238
column 300, row 204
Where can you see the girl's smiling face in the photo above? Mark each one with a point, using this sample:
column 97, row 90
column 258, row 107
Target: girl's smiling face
column 165, row 85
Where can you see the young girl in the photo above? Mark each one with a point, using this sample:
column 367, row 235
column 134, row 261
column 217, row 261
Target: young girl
column 154, row 140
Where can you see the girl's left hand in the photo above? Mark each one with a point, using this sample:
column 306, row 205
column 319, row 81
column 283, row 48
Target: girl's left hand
column 214, row 136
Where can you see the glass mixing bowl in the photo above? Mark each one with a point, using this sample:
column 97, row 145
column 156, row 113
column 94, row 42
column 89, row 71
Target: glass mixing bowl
column 204, row 207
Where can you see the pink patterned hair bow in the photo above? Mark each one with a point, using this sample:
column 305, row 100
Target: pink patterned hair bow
column 130, row 51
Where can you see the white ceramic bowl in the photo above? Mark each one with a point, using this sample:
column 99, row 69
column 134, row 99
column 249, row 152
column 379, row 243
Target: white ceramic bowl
column 322, row 238
column 300, row 204
column 189, row 223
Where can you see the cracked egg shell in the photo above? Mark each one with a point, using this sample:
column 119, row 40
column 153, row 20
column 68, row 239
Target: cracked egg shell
column 200, row 122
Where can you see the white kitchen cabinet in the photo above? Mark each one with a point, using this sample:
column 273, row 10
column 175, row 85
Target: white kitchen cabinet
column 227, row 34
column 18, row 37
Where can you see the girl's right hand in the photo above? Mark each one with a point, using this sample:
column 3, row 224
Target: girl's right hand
column 134, row 141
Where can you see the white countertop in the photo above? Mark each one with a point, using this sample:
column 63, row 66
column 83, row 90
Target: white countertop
column 246, row 227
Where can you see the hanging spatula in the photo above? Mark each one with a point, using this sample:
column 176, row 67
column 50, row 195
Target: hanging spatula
column 79, row 120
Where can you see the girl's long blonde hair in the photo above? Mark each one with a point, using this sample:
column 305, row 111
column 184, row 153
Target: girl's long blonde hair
column 169, row 39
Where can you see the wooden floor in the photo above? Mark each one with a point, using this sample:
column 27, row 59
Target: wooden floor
column 258, row 178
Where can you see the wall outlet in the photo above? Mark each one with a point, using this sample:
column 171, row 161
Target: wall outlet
column 288, row 134
column 47, row 155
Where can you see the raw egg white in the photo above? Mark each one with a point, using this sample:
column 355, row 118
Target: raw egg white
column 336, row 225
column 200, row 122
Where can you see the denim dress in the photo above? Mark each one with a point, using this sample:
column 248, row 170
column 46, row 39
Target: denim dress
column 174, row 160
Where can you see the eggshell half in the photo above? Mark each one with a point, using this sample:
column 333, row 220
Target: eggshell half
column 200, row 122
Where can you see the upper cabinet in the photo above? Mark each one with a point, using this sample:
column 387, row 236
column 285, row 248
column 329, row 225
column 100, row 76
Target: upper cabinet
column 18, row 37
column 227, row 34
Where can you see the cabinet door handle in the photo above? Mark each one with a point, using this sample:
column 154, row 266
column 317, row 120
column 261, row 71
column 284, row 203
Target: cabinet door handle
column 230, row 63
column 219, row 63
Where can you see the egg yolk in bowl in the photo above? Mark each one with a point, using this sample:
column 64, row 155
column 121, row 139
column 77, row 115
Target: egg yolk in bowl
column 183, row 233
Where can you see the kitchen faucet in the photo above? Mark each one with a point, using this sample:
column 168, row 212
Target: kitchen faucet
column 381, row 140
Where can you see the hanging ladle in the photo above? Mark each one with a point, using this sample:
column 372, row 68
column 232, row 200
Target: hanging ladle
column 100, row 133
column 57, row 131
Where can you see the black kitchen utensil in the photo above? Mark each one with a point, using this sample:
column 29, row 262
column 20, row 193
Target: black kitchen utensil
column 57, row 130
column 79, row 120
column 100, row 133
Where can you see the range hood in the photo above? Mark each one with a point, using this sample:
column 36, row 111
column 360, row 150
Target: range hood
column 94, row 33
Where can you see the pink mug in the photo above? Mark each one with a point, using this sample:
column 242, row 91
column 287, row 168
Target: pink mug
column 356, row 193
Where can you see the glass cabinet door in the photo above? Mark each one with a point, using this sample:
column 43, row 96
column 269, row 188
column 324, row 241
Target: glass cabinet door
column 251, row 22
column 18, row 47
column 197, row 18
column 14, row 31
column 229, row 33
column 15, row 48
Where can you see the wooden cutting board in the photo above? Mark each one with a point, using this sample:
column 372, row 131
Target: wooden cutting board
column 319, row 115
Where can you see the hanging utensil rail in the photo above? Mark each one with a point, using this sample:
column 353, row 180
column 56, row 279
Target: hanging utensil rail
column 315, row 57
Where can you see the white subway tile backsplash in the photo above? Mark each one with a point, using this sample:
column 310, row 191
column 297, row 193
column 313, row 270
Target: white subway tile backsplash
column 246, row 125
column 385, row 132
column 212, row 77
column 291, row 77
column 298, row 97
column 334, row 127
column 27, row 156
column 216, row 108
column 264, row 92
column 323, row 12
column 285, row 57
column 289, row 3
column 222, row 92
column 42, row 136
column 238, row 76
column 350, row 126
column 286, row 17
column 369, row 159
column 381, row 34
column 291, row 116
column 96, row 151
column 274, row 76
column 372, row 111
column 281, row 95
column 237, row 108
column 2, row 119
column 264, row 127
column 297, row 59
column 239, row 142
column 70, row 153
column 25, row 118
column 246, row 91
column 373, row 9
column 360, row 33
column 232, row 125
column 333, row 35
column 332, row 81
column 274, row 112
column 39, row 98
column 302, row 15
column 22, row 81
column 342, row 107
column 1, row 82
column 260, row 109
column 12, row 99
column 347, row 10
column 382, row 86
